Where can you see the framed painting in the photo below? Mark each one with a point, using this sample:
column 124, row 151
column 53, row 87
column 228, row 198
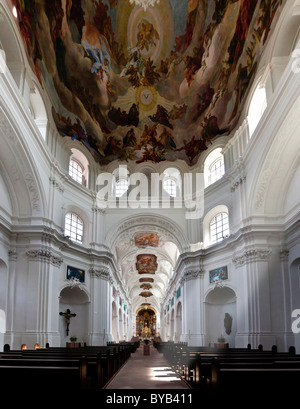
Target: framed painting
column 218, row 274
column 73, row 272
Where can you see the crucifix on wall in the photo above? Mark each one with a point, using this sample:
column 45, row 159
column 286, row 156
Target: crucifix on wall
column 68, row 315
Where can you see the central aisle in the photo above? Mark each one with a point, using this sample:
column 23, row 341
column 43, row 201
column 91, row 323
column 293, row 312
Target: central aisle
column 146, row 372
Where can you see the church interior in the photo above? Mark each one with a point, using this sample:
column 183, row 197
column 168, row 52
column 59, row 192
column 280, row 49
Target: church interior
column 149, row 184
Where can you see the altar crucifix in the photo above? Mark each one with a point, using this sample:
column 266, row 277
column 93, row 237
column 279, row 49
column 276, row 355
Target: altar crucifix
column 68, row 315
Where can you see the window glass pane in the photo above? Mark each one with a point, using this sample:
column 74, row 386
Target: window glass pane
column 121, row 187
column 170, row 187
column 75, row 171
column 219, row 227
column 74, row 227
column 217, row 170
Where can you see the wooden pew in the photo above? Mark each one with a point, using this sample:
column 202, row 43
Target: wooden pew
column 83, row 368
column 209, row 368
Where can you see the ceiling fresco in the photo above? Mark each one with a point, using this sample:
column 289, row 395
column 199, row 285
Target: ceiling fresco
column 154, row 85
column 146, row 239
column 146, row 263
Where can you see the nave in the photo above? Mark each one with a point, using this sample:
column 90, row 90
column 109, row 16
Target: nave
column 151, row 371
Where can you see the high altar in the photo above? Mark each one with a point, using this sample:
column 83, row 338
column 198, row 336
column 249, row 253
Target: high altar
column 146, row 323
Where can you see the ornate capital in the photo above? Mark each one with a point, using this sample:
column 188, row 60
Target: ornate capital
column 192, row 275
column 12, row 255
column 56, row 184
column 250, row 256
column 284, row 255
column 98, row 210
column 44, row 255
column 102, row 272
column 237, row 183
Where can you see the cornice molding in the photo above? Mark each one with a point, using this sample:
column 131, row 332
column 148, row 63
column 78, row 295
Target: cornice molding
column 44, row 255
column 250, row 256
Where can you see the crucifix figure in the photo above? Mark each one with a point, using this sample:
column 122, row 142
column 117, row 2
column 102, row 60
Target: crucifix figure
column 68, row 315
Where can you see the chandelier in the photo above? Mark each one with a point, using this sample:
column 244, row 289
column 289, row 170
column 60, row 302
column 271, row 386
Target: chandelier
column 144, row 3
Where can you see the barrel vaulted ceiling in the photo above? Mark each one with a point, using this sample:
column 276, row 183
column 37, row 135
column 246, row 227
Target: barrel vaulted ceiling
column 154, row 85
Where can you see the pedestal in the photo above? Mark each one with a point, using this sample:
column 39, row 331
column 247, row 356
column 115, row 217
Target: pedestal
column 223, row 345
column 73, row 344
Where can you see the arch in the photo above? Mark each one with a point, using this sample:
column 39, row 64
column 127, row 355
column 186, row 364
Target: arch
column 277, row 164
column 295, row 283
column 22, row 176
column 77, row 301
column 3, row 301
column 172, row 324
column 11, row 43
column 221, row 314
column 114, row 313
column 148, row 221
column 121, row 333
column 178, row 323
column 38, row 110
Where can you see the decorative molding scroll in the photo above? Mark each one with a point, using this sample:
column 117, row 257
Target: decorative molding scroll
column 98, row 210
column 44, row 255
column 192, row 275
column 12, row 255
column 239, row 182
column 6, row 129
column 34, row 196
column 56, row 184
column 250, row 256
column 284, row 255
column 102, row 272
column 74, row 282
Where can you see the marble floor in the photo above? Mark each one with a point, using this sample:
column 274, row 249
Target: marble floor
column 146, row 372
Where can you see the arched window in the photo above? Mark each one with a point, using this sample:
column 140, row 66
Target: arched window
column 172, row 182
column 216, row 170
column 214, row 167
column 74, row 227
column 256, row 109
column 219, row 227
column 75, row 170
column 170, row 186
column 79, row 167
column 38, row 111
column 121, row 187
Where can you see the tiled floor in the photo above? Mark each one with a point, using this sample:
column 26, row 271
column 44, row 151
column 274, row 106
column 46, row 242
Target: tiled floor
column 146, row 372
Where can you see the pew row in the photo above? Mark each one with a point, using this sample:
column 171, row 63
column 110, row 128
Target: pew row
column 63, row 368
column 211, row 369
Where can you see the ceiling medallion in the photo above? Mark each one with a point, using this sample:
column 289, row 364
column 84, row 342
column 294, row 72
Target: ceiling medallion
column 144, row 3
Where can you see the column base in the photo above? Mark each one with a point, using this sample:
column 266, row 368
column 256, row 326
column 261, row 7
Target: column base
column 267, row 340
column 100, row 339
column 194, row 339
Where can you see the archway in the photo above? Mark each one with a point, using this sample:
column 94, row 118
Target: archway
column 221, row 315
column 178, row 325
column 121, row 336
column 3, row 277
column 172, row 325
column 114, row 322
column 146, row 322
column 76, row 300
column 294, row 294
